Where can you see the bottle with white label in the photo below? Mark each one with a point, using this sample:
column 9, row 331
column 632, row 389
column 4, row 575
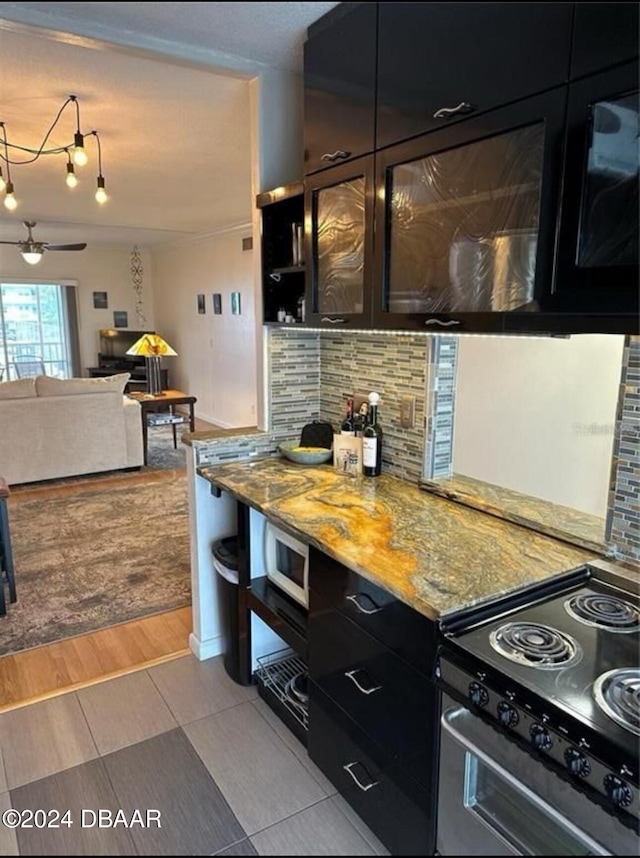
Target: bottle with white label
column 372, row 440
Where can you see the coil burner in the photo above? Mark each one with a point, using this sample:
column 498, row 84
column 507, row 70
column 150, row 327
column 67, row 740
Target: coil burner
column 535, row 645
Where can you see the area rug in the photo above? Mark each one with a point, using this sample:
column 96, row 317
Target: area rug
column 96, row 554
column 160, row 452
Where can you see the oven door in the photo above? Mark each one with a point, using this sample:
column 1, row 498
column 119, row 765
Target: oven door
column 495, row 799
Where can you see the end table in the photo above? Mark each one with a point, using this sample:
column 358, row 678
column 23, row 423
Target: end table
column 165, row 401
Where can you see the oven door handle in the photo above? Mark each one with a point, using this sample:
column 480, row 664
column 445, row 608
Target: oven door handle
column 458, row 736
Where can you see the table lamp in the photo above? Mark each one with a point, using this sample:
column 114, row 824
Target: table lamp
column 152, row 347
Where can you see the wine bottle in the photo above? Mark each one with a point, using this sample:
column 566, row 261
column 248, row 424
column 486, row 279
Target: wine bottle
column 372, row 440
column 348, row 427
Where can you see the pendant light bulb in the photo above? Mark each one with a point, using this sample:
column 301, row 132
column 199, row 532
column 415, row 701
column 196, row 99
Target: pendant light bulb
column 101, row 194
column 72, row 179
column 10, row 201
column 3, row 184
column 32, row 257
column 79, row 154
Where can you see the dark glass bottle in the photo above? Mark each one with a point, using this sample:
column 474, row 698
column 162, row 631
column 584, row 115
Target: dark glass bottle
column 372, row 441
column 348, row 426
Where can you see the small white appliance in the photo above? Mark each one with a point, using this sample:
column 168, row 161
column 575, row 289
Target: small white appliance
column 287, row 563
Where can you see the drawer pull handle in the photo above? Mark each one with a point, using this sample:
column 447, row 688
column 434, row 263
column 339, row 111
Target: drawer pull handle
column 333, row 321
column 335, row 156
column 440, row 322
column 448, row 112
column 364, row 787
column 362, row 608
column 351, row 674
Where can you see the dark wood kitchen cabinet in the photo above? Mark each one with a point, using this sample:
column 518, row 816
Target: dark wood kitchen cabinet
column 597, row 257
column 340, row 86
column 373, row 705
column 441, row 62
column 339, row 209
column 487, row 218
column 465, row 219
column 604, row 35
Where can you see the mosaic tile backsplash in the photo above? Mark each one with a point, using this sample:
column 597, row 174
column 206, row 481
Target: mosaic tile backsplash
column 623, row 516
column 312, row 373
column 393, row 366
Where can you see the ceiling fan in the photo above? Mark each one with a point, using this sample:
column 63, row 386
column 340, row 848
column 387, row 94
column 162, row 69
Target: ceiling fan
column 32, row 250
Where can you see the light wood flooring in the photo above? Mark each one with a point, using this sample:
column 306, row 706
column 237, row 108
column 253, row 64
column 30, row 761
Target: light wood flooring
column 46, row 671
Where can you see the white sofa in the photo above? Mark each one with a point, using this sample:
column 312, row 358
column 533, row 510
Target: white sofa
column 51, row 428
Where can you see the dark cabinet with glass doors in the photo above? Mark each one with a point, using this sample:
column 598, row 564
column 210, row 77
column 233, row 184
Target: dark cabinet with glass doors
column 464, row 219
column 339, row 235
column 505, row 189
column 597, row 259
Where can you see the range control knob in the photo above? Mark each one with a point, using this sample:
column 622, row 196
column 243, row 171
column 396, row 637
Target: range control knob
column 478, row 694
column 540, row 737
column 577, row 763
column 619, row 793
column 507, row 715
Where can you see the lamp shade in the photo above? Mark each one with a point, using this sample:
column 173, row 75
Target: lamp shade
column 151, row 345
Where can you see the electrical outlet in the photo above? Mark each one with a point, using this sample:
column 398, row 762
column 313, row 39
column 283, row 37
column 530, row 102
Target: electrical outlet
column 407, row 412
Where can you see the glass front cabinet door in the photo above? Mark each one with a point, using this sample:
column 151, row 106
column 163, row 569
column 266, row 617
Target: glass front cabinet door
column 339, row 233
column 598, row 251
column 465, row 219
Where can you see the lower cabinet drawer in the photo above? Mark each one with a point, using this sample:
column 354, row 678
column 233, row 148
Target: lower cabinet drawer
column 400, row 628
column 396, row 808
column 390, row 701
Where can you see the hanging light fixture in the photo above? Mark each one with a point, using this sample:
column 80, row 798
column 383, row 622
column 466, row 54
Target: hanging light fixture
column 9, row 198
column 75, row 152
column 101, row 194
column 79, row 153
column 72, row 179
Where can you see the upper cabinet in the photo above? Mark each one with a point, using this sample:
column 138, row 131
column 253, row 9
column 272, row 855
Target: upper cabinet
column 500, row 190
column 339, row 235
column 464, row 220
column 604, row 35
column 597, row 266
column 441, row 62
column 340, row 86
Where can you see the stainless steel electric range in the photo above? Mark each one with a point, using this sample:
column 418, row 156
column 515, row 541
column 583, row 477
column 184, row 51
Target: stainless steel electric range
column 540, row 729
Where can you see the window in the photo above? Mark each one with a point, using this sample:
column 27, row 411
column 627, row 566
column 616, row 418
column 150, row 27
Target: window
column 38, row 330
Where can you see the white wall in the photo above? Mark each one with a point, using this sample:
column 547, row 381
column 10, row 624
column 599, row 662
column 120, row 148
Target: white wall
column 96, row 269
column 538, row 415
column 216, row 354
column 276, row 159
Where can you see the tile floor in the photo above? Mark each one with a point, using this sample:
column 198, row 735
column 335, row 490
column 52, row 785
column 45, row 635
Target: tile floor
column 226, row 775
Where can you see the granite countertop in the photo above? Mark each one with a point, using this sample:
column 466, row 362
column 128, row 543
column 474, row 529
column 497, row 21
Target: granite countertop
column 434, row 554
column 583, row 529
column 216, row 434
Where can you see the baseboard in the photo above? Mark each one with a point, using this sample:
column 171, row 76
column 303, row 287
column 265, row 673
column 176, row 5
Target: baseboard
column 205, row 649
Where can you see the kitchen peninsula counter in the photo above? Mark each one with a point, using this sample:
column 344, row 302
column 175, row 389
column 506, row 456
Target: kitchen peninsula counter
column 434, row 554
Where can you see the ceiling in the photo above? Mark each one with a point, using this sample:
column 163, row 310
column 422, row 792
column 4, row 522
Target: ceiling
column 166, row 86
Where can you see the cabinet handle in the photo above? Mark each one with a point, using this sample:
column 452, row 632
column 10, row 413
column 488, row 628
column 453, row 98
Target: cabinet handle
column 335, row 156
column 334, row 321
column 448, row 112
column 440, row 322
column 363, row 610
column 363, row 787
column 276, row 277
column 351, row 674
